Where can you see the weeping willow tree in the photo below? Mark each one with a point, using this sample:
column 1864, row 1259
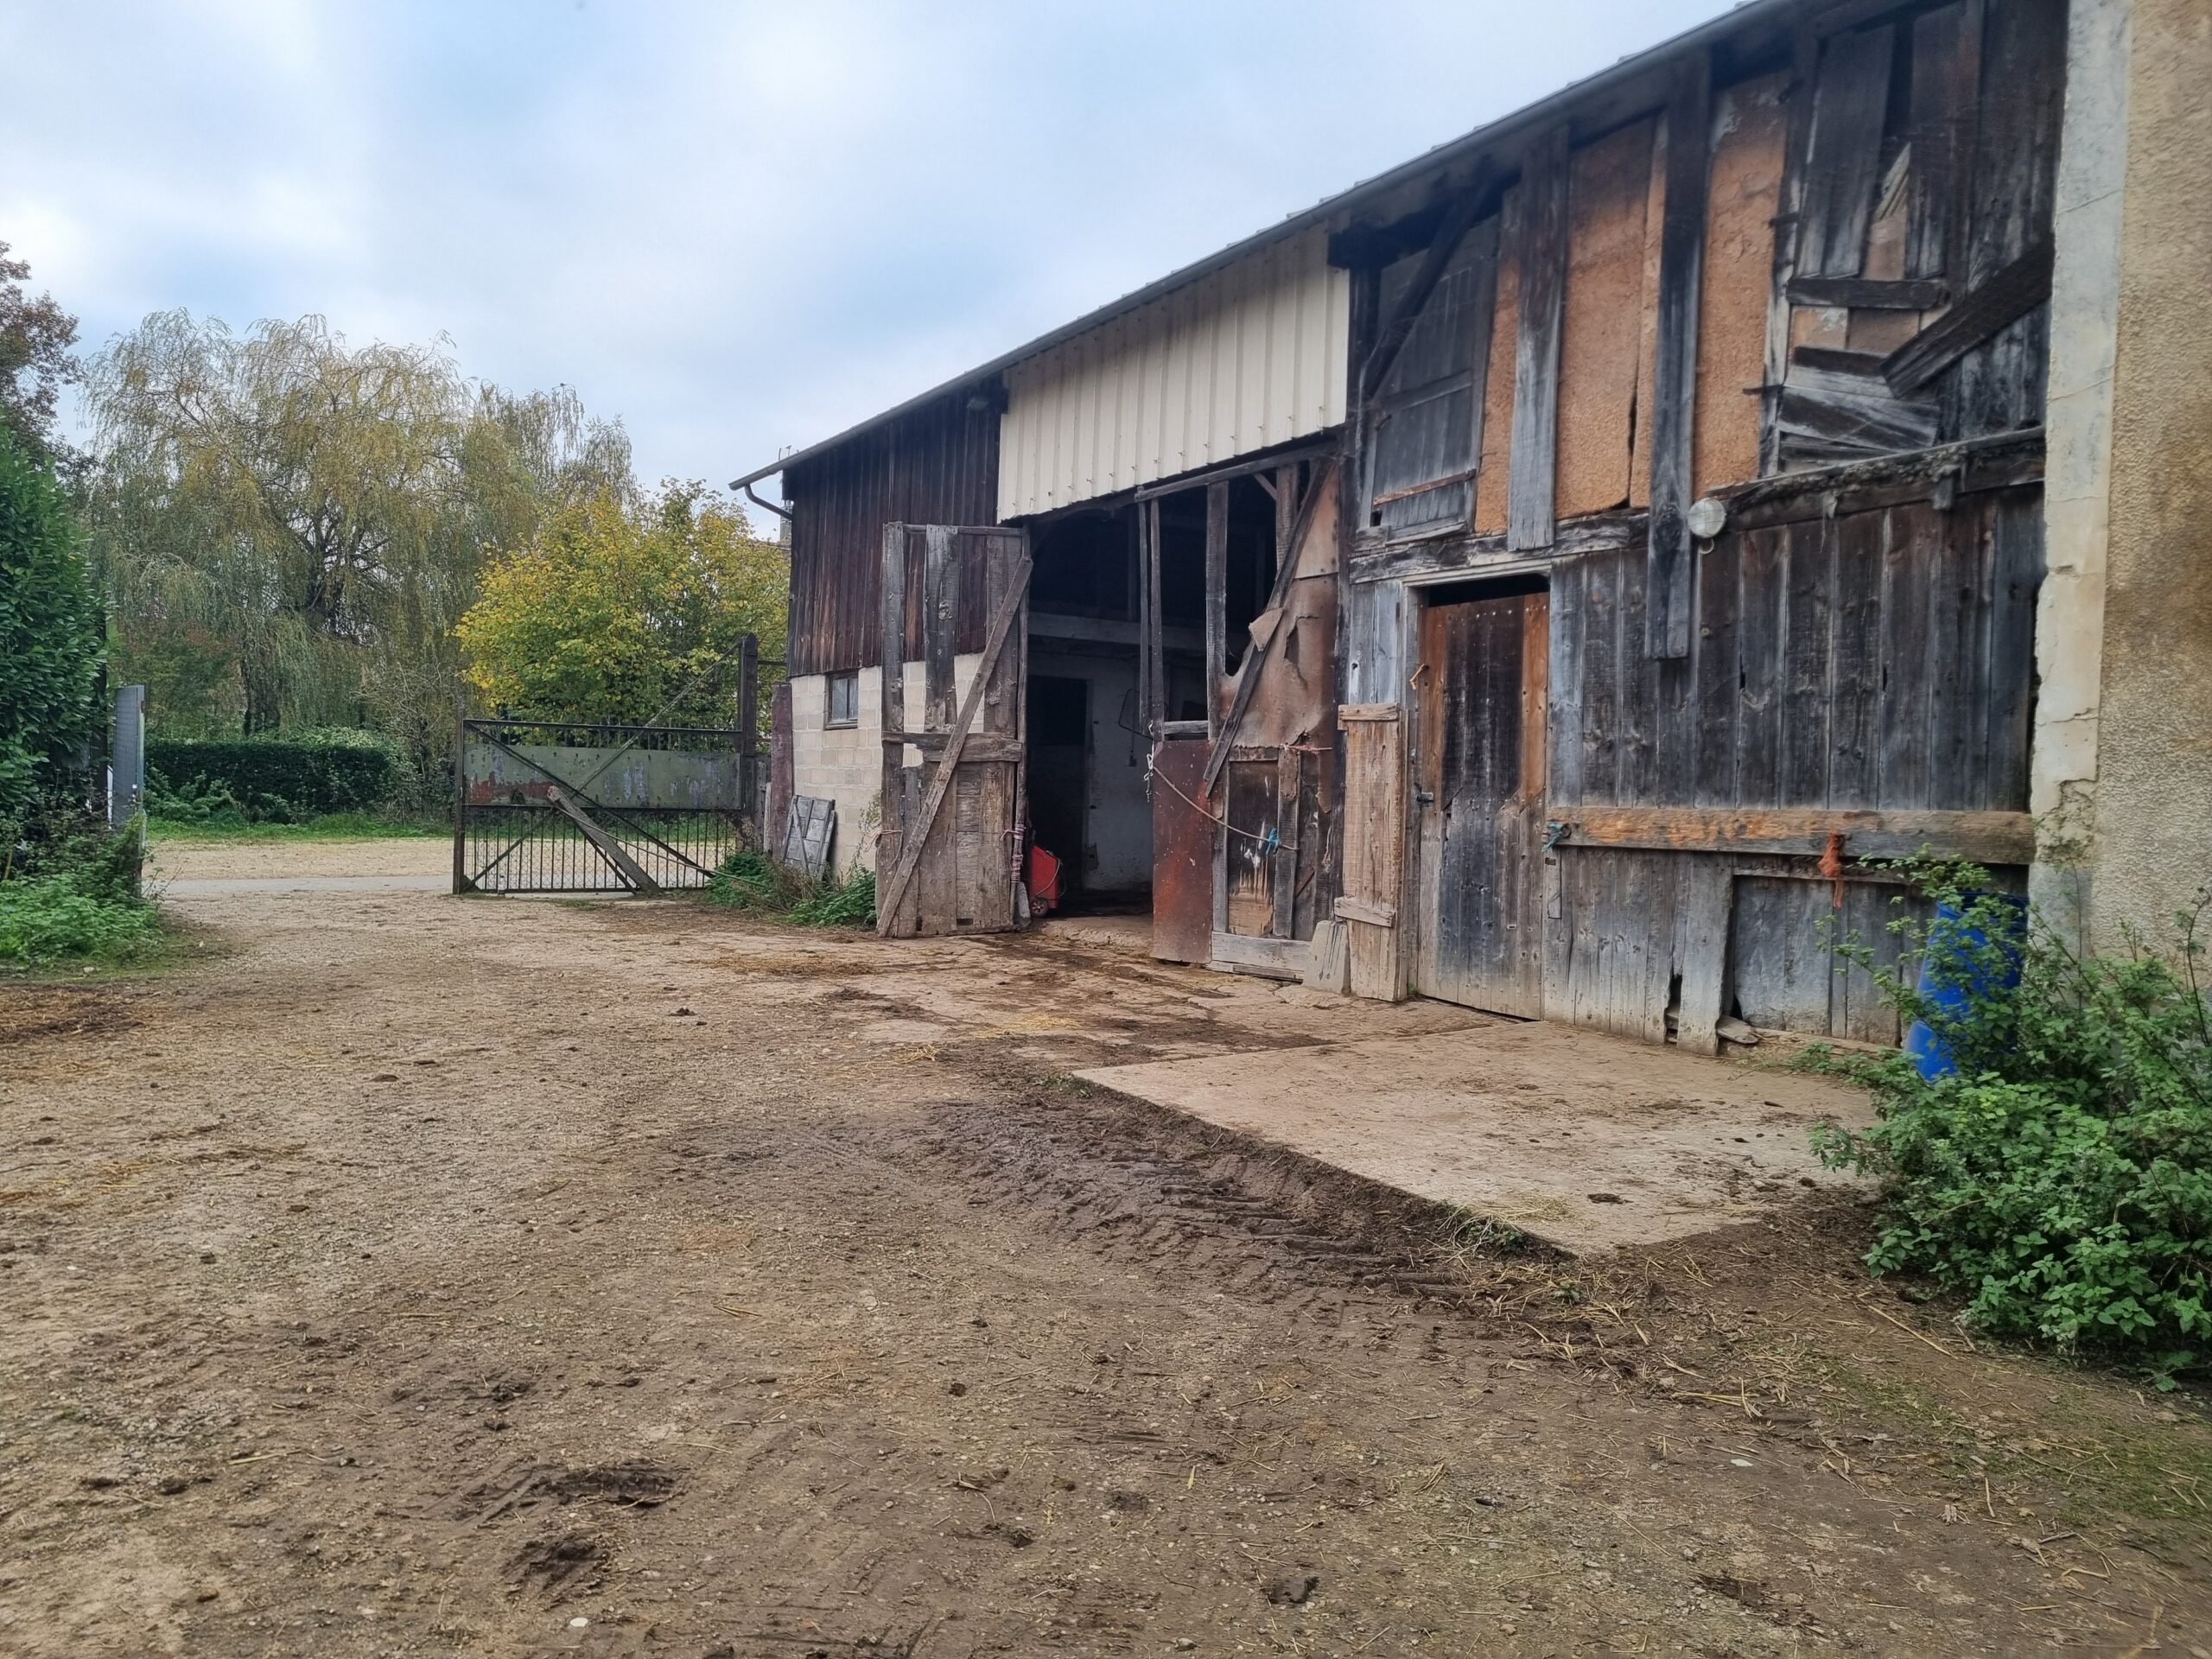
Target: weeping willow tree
column 310, row 517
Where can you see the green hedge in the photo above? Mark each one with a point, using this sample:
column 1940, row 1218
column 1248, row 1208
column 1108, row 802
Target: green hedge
column 266, row 780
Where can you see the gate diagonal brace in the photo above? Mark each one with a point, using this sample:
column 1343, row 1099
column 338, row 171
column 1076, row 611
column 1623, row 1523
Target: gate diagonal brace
column 609, row 849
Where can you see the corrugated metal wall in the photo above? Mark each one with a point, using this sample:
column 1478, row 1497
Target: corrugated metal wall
column 935, row 465
column 1250, row 357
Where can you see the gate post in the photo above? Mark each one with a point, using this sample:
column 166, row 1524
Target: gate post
column 748, row 733
column 461, row 800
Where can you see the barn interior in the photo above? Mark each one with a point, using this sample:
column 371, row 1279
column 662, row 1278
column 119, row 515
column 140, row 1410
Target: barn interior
column 1089, row 739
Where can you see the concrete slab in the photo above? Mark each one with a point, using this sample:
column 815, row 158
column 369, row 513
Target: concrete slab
column 1587, row 1142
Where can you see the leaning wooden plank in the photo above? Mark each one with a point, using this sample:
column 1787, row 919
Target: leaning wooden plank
column 918, row 830
column 1996, row 304
column 1671, row 559
column 891, row 835
column 1328, row 962
column 1987, row 837
column 609, row 849
column 1703, row 890
column 1845, row 165
column 1533, row 464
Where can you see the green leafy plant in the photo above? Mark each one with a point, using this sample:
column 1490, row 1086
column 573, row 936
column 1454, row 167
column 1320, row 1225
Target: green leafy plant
column 2060, row 1178
column 80, row 902
column 751, row 881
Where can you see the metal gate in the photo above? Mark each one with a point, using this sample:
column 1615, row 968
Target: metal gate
column 545, row 806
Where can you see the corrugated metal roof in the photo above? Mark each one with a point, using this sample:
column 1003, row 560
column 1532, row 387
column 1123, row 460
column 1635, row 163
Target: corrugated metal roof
column 1249, row 358
column 1747, row 16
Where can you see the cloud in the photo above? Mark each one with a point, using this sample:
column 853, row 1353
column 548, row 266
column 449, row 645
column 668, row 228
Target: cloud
column 735, row 227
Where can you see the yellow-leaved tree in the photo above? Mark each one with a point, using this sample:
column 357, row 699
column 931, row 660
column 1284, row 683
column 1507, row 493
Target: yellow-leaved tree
column 627, row 611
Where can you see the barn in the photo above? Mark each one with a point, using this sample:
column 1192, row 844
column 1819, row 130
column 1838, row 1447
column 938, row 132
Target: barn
column 1556, row 575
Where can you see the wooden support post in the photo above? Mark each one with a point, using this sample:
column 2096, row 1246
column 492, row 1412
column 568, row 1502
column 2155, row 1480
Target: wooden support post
column 1671, row 559
column 891, row 826
column 1217, row 600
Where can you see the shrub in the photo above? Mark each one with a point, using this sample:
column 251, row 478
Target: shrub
column 50, row 638
column 256, row 780
column 47, row 919
column 2060, row 1177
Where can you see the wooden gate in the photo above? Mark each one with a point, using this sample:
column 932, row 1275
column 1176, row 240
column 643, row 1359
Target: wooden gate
column 1478, row 769
column 950, row 859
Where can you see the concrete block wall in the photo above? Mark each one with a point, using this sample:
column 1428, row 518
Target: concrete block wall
column 845, row 763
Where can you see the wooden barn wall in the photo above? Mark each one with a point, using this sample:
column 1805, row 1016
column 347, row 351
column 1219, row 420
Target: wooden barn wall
column 1879, row 661
column 937, row 465
column 1851, row 282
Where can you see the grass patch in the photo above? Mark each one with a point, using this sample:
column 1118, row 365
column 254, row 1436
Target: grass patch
column 753, row 881
column 328, row 826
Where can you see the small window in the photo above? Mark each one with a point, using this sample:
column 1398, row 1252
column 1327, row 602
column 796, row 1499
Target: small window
column 843, row 703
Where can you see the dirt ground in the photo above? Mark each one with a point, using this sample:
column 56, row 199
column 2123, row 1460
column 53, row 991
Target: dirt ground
column 407, row 1276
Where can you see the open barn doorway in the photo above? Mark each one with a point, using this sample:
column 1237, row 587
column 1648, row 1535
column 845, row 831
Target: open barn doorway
column 1088, row 751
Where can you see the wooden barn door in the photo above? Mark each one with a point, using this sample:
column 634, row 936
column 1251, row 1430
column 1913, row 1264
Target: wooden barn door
column 950, row 859
column 1479, row 791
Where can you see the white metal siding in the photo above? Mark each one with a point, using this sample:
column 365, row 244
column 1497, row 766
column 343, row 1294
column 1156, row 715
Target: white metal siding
column 1246, row 358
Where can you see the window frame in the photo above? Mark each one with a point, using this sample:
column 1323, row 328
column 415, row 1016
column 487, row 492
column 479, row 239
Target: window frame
column 849, row 679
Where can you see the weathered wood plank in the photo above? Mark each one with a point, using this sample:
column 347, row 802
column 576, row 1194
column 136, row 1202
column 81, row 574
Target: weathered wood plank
column 1704, row 890
column 1790, row 240
column 1668, row 606
column 1374, row 844
column 2016, row 576
column 1761, row 589
column 1328, row 961
column 1845, row 164
column 1855, row 677
column 1238, row 953
column 1717, row 677
column 1867, row 293
column 1999, row 383
column 1907, row 672
column 1945, row 75
column 1987, row 837
column 1995, row 462
column 1532, row 463
column 1563, row 698
column 1600, row 673
column 1807, row 694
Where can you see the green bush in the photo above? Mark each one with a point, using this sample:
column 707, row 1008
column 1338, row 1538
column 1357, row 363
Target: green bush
column 257, row 780
column 2061, row 1179
column 83, row 902
column 751, row 881
column 50, row 639
column 48, row 919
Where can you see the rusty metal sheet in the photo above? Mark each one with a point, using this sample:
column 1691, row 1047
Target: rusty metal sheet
column 1182, row 853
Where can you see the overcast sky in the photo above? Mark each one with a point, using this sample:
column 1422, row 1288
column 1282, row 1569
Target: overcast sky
column 736, row 227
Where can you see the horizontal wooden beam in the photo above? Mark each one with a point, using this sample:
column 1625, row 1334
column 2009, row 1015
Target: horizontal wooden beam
column 1991, row 463
column 1241, row 953
column 1985, row 837
column 1868, row 293
column 1600, row 532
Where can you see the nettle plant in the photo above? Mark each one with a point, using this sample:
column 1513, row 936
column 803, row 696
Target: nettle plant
column 2060, row 1176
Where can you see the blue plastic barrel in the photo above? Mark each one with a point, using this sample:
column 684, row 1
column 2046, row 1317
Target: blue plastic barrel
column 1953, row 969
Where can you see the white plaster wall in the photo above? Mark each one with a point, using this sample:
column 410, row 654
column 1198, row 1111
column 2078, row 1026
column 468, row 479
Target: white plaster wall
column 845, row 763
column 2078, row 430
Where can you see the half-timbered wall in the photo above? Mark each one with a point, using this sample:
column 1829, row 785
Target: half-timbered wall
column 1817, row 293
